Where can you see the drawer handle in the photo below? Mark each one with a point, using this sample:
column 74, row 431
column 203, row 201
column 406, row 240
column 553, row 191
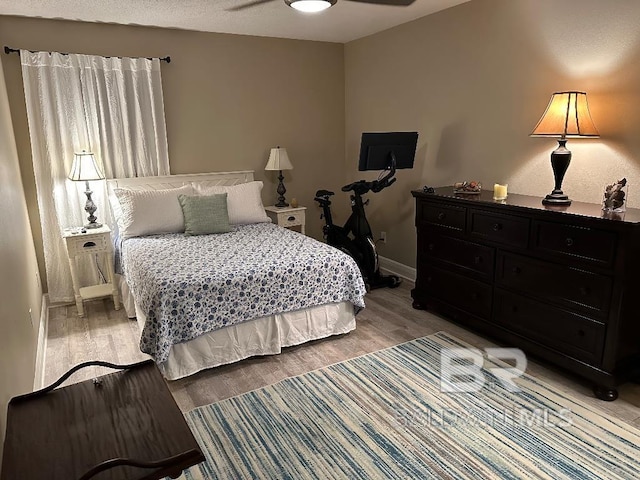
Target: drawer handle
column 441, row 215
column 569, row 242
column 497, row 227
column 89, row 244
column 291, row 219
column 516, row 270
column 584, row 291
column 431, row 247
column 477, row 260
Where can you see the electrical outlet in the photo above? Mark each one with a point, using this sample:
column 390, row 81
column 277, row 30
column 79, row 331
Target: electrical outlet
column 30, row 318
column 383, row 237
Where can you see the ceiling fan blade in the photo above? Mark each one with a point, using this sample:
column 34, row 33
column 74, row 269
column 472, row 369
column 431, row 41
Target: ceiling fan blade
column 254, row 3
column 399, row 3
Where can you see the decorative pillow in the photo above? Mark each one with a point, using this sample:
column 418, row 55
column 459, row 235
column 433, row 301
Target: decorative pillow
column 116, row 211
column 205, row 214
column 149, row 212
column 244, row 201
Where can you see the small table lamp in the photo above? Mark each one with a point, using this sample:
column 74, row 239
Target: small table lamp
column 85, row 169
column 279, row 160
column 566, row 116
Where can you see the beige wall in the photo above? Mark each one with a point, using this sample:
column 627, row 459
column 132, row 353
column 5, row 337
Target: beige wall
column 474, row 80
column 20, row 290
column 228, row 100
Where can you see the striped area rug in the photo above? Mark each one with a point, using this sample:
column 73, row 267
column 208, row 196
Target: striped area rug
column 383, row 415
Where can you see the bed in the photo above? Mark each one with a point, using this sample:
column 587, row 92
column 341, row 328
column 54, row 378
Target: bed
column 206, row 300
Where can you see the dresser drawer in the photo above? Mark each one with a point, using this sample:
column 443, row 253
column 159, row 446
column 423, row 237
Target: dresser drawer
column 466, row 256
column 462, row 292
column 291, row 219
column 448, row 216
column 84, row 244
column 573, row 241
column 560, row 284
column 507, row 230
column 566, row 332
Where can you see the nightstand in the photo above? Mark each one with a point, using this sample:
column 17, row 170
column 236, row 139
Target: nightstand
column 287, row 216
column 96, row 241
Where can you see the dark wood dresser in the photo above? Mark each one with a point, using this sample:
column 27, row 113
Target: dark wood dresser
column 561, row 283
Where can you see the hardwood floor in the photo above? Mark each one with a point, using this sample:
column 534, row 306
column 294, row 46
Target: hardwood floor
column 107, row 334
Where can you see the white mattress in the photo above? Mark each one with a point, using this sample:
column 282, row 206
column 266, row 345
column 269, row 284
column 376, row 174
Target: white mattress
column 261, row 336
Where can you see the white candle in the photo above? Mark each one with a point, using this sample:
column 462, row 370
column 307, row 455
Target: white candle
column 500, row 191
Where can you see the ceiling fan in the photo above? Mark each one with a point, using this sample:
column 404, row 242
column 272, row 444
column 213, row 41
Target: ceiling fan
column 311, row 6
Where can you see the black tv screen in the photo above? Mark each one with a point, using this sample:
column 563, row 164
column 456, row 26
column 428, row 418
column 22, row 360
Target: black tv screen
column 376, row 149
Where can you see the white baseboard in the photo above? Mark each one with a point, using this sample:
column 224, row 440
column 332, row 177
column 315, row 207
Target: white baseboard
column 41, row 349
column 397, row 268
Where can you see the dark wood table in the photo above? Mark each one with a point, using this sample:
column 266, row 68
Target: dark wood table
column 99, row 429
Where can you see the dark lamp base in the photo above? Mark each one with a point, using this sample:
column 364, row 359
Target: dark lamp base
column 560, row 159
column 93, row 225
column 281, row 191
column 556, row 199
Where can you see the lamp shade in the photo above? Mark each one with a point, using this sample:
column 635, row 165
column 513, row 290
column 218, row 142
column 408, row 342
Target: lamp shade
column 278, row 160
column 85, row 168
column 566, row 116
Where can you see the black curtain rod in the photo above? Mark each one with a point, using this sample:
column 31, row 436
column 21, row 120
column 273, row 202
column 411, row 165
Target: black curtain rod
column 9, row 50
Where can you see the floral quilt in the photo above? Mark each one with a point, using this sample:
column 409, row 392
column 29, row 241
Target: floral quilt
column 190, row 285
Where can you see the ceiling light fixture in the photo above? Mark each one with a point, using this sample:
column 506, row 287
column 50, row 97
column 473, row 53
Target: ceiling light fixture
column 310, row 6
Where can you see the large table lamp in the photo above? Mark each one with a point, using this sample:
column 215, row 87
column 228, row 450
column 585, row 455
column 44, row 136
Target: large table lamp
column 279, row 160
column 85, row 169
column 566, row 116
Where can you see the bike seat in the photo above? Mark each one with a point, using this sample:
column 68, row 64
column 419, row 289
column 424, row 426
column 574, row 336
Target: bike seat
column 324, row 193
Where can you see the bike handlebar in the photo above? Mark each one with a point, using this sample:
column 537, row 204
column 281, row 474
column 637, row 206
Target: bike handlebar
column 382, row 185
column 361, row 187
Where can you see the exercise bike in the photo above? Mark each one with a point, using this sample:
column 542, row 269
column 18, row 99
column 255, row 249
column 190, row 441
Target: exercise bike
column 355, row 237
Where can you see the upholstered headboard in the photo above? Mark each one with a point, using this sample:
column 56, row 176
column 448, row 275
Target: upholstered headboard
column 174, row 181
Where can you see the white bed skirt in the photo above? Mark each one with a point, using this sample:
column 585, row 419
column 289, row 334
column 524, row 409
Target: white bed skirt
column 261, row 336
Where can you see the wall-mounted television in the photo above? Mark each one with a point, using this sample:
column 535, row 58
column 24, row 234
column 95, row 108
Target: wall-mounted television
column 376, row 150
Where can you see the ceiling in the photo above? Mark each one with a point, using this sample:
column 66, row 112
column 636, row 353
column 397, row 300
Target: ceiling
column 341, row 23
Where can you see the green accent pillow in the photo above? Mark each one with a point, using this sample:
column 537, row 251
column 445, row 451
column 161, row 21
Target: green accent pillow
column 205, row 214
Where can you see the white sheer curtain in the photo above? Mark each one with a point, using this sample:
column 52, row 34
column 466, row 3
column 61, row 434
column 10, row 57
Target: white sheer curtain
column 112, row 107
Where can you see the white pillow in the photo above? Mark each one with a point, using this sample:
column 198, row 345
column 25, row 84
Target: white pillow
column 116, row 209
column 244, row 201
column 149, row 212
